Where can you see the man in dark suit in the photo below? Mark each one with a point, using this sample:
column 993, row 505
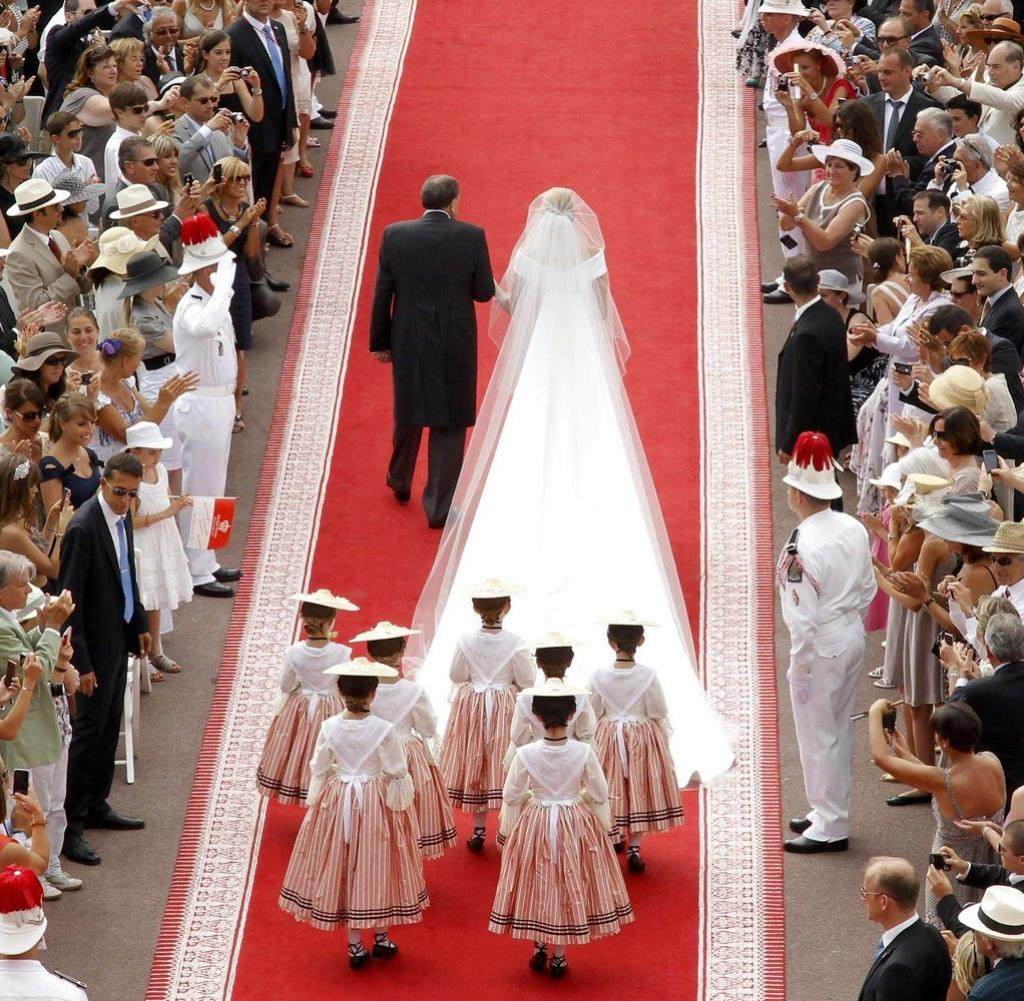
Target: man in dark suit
column 430, row 272
column 65, row 44
column 934, row 139
column 130, row 26
column 1003, row 313
column 999, row 699
column 931, row 220
column 998, row 926
column 925, row 44
column 261, row 43
column 813, row 388
column 163, row 54
column 97, row 566
column 911, row 959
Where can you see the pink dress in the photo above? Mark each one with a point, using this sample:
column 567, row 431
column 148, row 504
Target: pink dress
column 878, row 610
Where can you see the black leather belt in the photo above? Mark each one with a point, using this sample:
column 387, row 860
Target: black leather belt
column 158, row 361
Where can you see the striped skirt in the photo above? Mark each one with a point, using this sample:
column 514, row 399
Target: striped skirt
column 432, row 806
column 283, row 771
column 472, row 752
column 373, row 880
column 648, row 799
column 564, row 897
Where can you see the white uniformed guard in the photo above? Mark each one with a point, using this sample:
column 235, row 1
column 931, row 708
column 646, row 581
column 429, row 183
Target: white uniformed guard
column 204, row 343
column 826, row 583
column 22, row 925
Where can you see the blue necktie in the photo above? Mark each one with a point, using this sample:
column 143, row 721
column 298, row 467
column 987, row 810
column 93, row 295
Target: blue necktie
column 880, row 948
column 126, row 573
column 275, row 58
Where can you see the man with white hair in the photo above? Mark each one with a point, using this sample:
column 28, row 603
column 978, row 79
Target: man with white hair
column 975, row 175
column 933, row 136
column 998, row 926
column 1003, row 95
column 163, row 54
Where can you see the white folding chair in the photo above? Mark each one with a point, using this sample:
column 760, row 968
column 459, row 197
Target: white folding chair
column 130, row 733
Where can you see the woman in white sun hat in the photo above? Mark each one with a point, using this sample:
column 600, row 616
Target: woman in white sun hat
column 406, row 706
column 308, row 698
column 356, row 862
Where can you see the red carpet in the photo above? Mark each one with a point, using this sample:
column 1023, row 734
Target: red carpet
column 513, row 99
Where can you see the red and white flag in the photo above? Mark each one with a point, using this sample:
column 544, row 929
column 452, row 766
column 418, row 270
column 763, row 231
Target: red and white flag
column 212, row 521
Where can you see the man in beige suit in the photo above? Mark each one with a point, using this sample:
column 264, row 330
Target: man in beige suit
column 41, row 264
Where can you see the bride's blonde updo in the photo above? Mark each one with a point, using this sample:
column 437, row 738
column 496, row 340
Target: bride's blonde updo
column 560, row 200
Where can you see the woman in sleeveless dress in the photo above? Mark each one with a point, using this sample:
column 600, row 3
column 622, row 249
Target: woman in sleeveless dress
column 887, row 279
column 970, row 787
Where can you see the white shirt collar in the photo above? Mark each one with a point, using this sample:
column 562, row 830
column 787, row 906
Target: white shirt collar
column 800, row 310
column 109, row 515
column 257, row 25
column 43, row 238
column 891, row 933
column 441, row 211
column 901, row 100
column 917, row 34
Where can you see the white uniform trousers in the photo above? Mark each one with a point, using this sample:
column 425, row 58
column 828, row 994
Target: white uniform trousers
column 204, row 425
column 784, row 184
column 50, row 783
column 824, row 731
column 149, row 386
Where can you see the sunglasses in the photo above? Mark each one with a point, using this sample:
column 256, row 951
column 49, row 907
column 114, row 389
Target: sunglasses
column 73, row 133
column 1003, row 561
column 21, row 161
column 961, row 295
column 124, row 491
column 240, row 179
column 891, row 39
column 149, row 161
column 206, row 100
column 56, row 360
column 138, row 109
column 939, row 435
column 31, row 415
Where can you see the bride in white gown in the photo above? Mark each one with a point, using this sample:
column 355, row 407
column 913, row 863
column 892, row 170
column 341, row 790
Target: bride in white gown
column 555, row 493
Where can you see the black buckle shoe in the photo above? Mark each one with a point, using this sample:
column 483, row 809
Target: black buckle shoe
column 383, row 948
column 633, row 860
column 559, row 967
column 358, row 956
column 539, row 960
column 476, row 843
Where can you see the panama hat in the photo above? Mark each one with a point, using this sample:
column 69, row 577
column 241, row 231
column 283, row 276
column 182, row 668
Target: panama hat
column 321, row 596
column 836, row 281
column 116, row 246
column 1000, row 915
column 146, row 434
column 959, row 386
column 384, row 631
column 918, row 485
column 625, row 617
column 41, row 346
column 899, row 439
column 552, row 638
column 891, row 477
column 1000, row 30
column 950, row 276
column 812, row 470
column 22, row 922
column 783, row 56
column 963, row 518
column 793, row 7
column 493, row 587
column 1009, row 539
column 844, row 149
column 360, row 667
column 77, row 189
column 33, row 195
column 553, row 688
column 134, row 200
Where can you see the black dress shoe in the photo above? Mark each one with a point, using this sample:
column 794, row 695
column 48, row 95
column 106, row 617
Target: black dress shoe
column 214, row 590
column 476, row 843
column 277, row 284
column 799, row 824
column 763, row 144
column 77, row 849
column 321, row 123
column 909, row 799
column 336, row 17
column 806, row 846
column 325, row 113
column 539, row 961
column 227, row 575
column 771, row 286
column 777, row 298
column 402, row 496
column 111, row 820
column 635, row 863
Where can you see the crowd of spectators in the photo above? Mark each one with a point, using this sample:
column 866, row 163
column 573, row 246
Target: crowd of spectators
column 895, row 136
column 140, row 141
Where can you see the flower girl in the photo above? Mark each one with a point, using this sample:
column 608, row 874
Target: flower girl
column 491, row 665
column 356, row 861
column 405, row 705
column 632, row 740
column 560, row 883
column 308, row 697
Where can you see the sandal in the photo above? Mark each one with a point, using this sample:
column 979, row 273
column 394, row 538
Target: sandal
column 155, row 675
column 164, row 663
column 294, row 199
column 239, row 424
column 305, row 170
column 312, row 143
column 278, row 237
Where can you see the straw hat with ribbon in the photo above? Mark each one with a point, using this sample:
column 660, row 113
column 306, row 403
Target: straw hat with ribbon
column 321, row 596
column 959, row 386
column 844, row 149
column 551, row 639
column 361, row 667
column 1000, row 915
column 116, row 246
column 1009, row 539
column 493, row 587
column 1002, row 29
column 134, row 200
column 384, row 631
column 626, row 617
column 33, row 195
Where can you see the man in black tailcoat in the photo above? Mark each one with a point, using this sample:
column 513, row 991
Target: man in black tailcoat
column 430, row 273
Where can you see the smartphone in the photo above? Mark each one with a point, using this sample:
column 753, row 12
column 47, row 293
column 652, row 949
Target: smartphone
column 902, row 367
column 188, row 179
column 218, row 173
column 938, row 861
column 20, row 784
column 889, row 721
column 990, row 459
column 65, row 636
column 12, row 666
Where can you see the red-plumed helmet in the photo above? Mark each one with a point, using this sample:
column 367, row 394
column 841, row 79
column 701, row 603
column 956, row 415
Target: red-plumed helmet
column 812, row 467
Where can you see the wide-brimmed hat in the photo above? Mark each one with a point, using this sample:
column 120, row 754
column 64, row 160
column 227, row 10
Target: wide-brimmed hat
column 202, row 244
column 1000, row 30
column 794, row 7
column 144, row 270
column 493, row 587
column 134, row 200
column 836, row 281
column 77, row 189
column 891, row 477
column 361, row 667
column 22, row 922
column 168, row 80
column 900, row 439
column 963, row 518
column 1000, row 915
column 384, row 631
column 844, row 149
column 1009, row 539
column 146, row 434
column 918, row 485
column 553, row 688
column 13, row 147
column 322, row 596
column 783, row 56
column 959, row 386
column 117, row 246
column 812, row 469
column 33, row 195
column 625, row 617
column 41, row 346
column 953, row 273
column 35, row 601
column 552, row 638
